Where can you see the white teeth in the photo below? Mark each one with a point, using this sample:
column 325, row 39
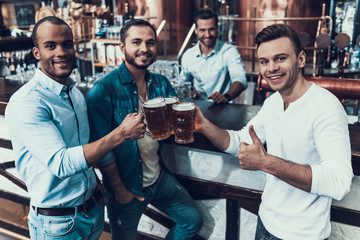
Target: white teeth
column 274, row 77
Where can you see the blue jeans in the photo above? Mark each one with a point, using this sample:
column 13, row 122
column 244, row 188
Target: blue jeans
column 78, row 226
column 167, row 195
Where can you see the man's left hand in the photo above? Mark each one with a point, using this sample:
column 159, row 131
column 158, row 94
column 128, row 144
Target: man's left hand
column 218, row 98
column 251, row 156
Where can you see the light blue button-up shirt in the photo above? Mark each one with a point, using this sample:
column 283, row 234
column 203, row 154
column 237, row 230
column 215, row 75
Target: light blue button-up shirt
column 47, row 134
column 209, row 72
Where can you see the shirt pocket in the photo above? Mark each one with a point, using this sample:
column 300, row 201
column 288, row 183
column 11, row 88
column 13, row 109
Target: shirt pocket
column 121, row 113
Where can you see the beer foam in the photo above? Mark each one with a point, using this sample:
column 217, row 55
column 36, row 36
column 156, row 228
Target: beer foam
column 170, row 100
column 184, row 106
column 153, row 103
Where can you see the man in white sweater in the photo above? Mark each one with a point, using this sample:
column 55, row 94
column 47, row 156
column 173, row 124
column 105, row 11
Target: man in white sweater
column 308, row 157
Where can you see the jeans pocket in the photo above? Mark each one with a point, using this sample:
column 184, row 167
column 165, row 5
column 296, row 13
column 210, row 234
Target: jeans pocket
column 58, row 226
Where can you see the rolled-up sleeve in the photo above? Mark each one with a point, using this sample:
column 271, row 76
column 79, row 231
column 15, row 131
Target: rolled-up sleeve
column 235, row 66
column 30, row 122
column 234, row 144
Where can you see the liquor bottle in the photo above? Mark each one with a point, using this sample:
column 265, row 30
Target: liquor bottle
column 127, row 15
column 12, row 66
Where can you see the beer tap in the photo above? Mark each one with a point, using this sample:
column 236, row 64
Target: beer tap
column 342, row 40
column 322, row 41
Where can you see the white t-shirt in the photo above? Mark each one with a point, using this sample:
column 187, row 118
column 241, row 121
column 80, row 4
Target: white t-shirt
column 148, row 148
column 313, row 131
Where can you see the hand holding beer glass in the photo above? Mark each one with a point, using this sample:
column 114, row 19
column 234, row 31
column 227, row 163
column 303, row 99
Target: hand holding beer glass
column 184, row 122
column 155, row 114
column 165, row 116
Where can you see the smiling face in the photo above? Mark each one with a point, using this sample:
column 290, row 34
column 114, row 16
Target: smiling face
column 139, row 47
column 206, row 32
column 279, row 65
column 55, row 51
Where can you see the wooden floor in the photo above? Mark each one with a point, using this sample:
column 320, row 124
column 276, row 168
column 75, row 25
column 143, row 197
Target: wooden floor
column 7, row 235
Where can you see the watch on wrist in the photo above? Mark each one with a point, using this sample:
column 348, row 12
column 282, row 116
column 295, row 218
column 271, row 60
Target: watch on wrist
column 228, row 97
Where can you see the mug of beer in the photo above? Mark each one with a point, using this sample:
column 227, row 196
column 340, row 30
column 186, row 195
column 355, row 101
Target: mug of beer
column 184, row 122
column 169, row 113
column 155, row 115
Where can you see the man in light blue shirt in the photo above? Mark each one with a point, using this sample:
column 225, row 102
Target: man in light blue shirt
column 215, row 67
column 49, row 130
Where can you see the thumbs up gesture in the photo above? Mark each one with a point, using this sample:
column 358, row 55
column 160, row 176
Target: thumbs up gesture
column 252, row 156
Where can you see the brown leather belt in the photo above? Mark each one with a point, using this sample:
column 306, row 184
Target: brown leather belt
column 85, row 207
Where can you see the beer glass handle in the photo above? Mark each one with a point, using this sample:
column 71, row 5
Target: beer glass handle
column 181, row 70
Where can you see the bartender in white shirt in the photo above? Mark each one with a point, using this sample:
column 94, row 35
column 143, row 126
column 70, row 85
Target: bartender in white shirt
column 214, row 67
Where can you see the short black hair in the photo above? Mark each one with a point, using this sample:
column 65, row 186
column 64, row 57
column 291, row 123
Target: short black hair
column 51, row 19
column 134, row 22
column 276, row 31
column 206, row 13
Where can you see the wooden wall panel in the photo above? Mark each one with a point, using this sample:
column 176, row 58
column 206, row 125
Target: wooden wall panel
column 275, row 8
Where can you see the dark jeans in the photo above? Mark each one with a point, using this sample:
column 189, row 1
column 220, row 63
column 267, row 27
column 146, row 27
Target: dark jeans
column 167, row 195
column 262, row 233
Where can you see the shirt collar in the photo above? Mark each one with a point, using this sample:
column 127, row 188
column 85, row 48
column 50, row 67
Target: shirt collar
column 49, row 83
column 215, row 49
column 125, row 76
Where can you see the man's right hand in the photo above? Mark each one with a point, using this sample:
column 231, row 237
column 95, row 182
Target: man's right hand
column 133, row 127
column 200, row 120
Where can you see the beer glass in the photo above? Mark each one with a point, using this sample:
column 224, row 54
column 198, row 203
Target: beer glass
column 155, row 115
column 169, row 113
column 184, row 122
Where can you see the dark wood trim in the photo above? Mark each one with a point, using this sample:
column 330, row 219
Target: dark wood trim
column 25, row 201
column 12, row 178
column 14, row 228
column 5, row 143
column 216, row 190
column 345, row 215
column 355, row 161
column 232, row 219
column 2, row 107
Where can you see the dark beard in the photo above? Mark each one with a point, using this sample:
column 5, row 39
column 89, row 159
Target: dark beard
column 129, row 59
column 213, row 38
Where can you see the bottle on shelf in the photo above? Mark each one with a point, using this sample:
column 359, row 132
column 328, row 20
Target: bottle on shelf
column 12, row 65
column 127, row 15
